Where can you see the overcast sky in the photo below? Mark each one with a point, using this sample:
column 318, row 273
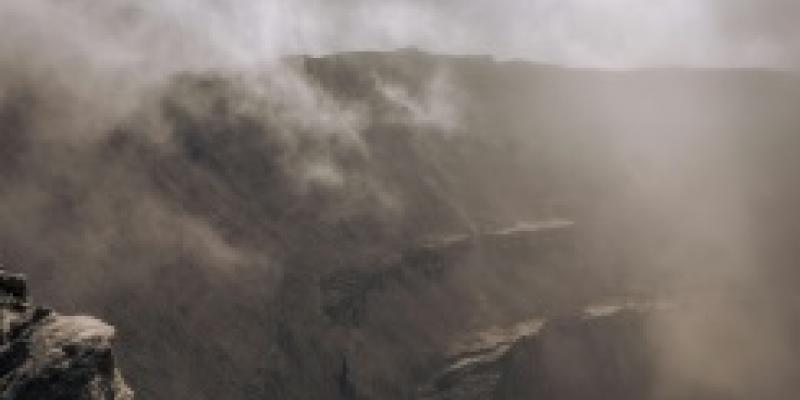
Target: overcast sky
column 617, row 33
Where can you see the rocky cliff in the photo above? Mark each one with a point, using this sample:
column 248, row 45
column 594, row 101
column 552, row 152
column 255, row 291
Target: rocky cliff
column 601, row 353
column 332, row 226
column 45, row 355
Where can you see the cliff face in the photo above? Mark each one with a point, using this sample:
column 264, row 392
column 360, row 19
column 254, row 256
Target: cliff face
column 604, row 352
column 600, row 357
column 331, row 238
column 588, row 355
column 45, row 355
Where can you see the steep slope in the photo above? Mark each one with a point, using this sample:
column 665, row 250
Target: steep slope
column 327, row 228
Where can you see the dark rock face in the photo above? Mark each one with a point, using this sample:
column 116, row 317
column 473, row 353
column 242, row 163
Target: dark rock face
column 346, row 293
column 474, row 367
column 588, row 356
column 44, row 355
column 604, row 357
column 602, row 353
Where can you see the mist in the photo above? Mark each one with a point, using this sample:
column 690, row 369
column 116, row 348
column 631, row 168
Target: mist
column 270, row 198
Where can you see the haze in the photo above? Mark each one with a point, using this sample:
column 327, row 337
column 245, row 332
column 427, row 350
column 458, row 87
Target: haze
column 366, row 199
column 609, row 33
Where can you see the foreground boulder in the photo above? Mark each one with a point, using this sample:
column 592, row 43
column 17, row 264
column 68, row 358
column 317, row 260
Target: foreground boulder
column 44, row 355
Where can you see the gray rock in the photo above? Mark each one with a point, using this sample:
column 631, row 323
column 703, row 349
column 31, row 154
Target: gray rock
column 44, row 355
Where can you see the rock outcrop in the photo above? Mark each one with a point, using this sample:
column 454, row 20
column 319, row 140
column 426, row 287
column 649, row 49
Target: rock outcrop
column 595, row 355
column 345, row 292
column 602, row 356
column 45, row 355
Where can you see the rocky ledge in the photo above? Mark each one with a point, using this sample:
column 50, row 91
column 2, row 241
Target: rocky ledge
column 601, row 353
column 44, row 355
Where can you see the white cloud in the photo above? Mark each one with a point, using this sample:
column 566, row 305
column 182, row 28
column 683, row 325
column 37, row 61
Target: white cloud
column 583, row 32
